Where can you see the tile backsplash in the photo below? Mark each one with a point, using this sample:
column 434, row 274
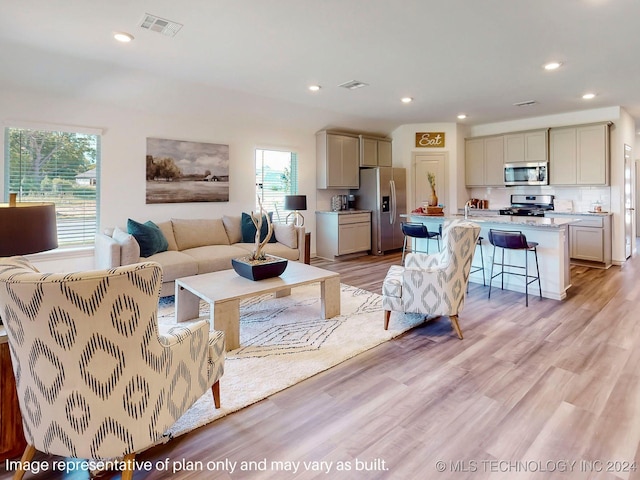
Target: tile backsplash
column 582, row 198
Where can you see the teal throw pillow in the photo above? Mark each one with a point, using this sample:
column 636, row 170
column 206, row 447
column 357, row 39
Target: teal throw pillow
column 249, row 229
column 149, row 237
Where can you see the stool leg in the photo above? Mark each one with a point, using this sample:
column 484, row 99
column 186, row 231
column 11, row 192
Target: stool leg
column 484, row 280
column 502, row 272
column 404, row 247
column 535, row 252
column 526, row 278
column 493, row 262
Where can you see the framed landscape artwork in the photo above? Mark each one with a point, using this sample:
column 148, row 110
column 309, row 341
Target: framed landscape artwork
column 179, row 171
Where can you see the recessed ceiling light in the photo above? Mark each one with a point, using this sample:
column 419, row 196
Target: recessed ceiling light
column 123, row 37
column 314, row 88
column 552, row 65
column 588, row 96
column 462, row 116
column 406, row 99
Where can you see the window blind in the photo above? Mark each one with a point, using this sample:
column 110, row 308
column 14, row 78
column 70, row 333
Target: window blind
column 276, row 176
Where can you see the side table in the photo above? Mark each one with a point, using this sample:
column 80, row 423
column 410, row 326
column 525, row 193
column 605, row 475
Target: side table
column 307, row 248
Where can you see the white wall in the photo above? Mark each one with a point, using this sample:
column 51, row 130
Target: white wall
column 122, row 182
column 404, row 141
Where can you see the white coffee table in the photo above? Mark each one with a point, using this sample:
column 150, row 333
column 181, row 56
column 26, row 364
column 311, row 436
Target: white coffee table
column 223, row 291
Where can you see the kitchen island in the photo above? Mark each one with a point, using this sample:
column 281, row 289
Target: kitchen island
column 551, row 234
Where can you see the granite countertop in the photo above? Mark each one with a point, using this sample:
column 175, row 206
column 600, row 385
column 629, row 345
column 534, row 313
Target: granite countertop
column 543, row 222
column 569, row 214
column 343, row 212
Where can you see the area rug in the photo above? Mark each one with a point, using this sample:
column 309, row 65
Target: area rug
column 284, row 341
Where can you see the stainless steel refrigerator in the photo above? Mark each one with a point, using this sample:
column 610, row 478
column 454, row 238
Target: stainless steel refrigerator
column 383, row 191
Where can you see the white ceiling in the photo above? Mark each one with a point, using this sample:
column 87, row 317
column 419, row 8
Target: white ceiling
column 451, row 56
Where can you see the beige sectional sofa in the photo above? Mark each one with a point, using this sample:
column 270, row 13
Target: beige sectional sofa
column 195, row 246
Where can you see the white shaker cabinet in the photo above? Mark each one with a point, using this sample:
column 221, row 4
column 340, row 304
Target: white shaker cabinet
column 342, row 233
column 337, row 160
column 526, row 147
column 579, row 155
column 375, row 152
column 484, row 161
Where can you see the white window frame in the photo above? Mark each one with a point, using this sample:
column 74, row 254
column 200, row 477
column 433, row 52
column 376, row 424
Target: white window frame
column 275, row 202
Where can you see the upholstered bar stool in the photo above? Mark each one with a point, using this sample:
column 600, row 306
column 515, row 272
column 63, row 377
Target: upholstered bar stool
column 514, row 240
column 417, row 230
column 478, row 268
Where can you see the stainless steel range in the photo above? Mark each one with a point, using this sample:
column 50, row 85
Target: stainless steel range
column 529, row 205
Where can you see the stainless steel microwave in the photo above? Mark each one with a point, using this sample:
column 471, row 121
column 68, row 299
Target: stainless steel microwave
column 526, row 173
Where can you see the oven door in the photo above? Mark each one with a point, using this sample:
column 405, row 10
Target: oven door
column 526, row 173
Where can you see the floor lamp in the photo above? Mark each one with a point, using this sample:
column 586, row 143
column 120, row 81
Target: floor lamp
column 296, row 203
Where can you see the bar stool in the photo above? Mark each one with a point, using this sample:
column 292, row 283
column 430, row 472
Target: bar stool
column 417, row 230
column 477, row 268
column 514, row 240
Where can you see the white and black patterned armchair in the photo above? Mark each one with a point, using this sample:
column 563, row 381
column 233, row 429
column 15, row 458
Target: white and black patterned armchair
column 97, row 377
column 433, row 285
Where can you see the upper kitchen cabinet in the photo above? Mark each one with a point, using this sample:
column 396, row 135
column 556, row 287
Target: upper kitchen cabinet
column 484, row 161
column 337, row 160
column 579, row 155
column 526, row 146
column 375, row 152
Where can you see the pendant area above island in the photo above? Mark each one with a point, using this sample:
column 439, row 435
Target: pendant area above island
column 552, row 237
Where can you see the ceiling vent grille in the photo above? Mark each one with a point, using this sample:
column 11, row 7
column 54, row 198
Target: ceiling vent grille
column 526, row 103
column 353, row 85
column 160, row 25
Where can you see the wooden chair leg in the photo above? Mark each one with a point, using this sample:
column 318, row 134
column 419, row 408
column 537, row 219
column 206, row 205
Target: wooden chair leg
column 27, row 456
column 387, row 315
column 129, row 461
column 456, row 327
column 215, row 388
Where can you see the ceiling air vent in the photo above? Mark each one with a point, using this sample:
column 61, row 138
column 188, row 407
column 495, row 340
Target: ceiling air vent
column 353, row 85
column 160, row 25
column 526, row 103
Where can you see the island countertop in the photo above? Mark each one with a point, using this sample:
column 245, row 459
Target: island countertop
column 502, row 220
column 550, row 234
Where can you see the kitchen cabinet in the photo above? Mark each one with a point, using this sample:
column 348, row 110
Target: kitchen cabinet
column 337, row 160
column 342, row 233
column 579, row 155
column 484, row 161
column 526, row 146
column 589, row 239
column 375, row 152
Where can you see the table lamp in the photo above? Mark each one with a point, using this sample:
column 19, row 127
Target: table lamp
column 296, row 203
column 27, row 227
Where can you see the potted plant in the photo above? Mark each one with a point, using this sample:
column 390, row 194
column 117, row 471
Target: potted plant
column 259, row 265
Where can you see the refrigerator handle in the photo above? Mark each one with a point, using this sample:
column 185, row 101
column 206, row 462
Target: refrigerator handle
column 392, row 217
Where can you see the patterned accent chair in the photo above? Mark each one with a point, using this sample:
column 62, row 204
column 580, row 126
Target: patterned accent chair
column 97, row 377
column 433, row 285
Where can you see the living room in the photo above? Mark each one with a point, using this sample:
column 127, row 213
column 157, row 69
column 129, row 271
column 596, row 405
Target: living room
column 50, row 88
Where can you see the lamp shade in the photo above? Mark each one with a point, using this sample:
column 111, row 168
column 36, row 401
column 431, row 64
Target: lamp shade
column 295, row 202
column 27, row 228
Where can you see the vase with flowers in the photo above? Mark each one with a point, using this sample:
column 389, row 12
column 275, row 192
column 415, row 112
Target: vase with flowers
column 433, row 201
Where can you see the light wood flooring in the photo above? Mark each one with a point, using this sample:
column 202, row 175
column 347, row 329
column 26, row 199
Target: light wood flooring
column 532, row 388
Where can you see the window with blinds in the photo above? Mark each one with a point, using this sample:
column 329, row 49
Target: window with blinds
column 276, row 176
column 59, row 167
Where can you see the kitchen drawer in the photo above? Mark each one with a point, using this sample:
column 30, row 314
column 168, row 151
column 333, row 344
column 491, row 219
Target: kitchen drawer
column 589, row 221
column 353, row 218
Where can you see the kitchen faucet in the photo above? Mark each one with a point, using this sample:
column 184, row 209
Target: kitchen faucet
column 466, row 209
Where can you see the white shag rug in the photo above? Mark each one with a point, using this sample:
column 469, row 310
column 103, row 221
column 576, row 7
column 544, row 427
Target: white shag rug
column 284, row 341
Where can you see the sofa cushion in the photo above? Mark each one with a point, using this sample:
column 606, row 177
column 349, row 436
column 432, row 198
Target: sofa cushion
column 286, row 234
column 232, row 226
column 249, row 229
column 277, row 249
column 175, row 265
column 192, row 233
column 212, row 258
column 148, row 236
column 129, row 248
column 167, row 230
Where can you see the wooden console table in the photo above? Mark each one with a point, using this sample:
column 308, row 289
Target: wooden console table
column 12, row 442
